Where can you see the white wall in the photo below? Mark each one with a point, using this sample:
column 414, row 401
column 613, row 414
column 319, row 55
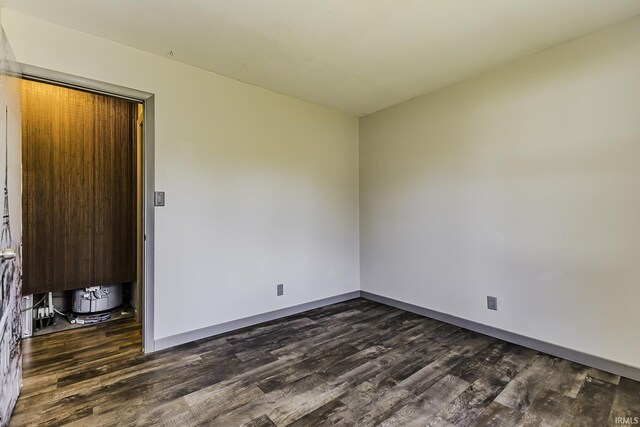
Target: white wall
column 261, row 188
column 523, row 183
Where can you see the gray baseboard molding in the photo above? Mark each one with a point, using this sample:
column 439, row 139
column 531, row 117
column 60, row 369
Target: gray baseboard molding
column 209, row 331
column 545, row 347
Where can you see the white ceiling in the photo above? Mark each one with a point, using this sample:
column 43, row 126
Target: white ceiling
column 358, row 56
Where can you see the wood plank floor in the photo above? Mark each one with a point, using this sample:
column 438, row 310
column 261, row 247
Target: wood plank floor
column 353, row 363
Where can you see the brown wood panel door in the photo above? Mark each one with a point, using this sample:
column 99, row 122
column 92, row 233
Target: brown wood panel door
column 72, row 179
column 57, row 189
column 115, row 192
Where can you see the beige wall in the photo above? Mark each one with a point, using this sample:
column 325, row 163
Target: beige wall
column 260, row 188
column 523, row 183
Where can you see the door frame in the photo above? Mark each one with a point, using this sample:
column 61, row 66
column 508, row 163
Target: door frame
column 148, row 145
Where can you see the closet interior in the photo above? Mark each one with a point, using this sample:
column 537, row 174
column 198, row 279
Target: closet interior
column 82, row 211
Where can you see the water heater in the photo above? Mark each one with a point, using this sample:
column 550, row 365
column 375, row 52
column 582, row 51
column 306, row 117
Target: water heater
column 97, row 298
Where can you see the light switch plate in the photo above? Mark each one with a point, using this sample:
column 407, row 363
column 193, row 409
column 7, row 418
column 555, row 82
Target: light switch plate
column 158, row 198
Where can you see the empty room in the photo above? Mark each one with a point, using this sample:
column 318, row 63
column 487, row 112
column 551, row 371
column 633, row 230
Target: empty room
column 320, row 212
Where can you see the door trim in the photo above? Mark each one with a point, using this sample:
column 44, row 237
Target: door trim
column 148, row 173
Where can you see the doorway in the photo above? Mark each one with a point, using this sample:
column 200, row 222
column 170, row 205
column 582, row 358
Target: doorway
column 132, row 283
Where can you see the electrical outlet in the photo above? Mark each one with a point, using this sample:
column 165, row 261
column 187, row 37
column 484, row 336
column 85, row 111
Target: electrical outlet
column 492, row 303
column 280, row 290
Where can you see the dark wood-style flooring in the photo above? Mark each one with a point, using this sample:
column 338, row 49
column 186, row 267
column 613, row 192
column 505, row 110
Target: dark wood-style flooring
column 353, row 363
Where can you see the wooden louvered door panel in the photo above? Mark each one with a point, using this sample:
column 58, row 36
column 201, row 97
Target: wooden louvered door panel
column 74, row 185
